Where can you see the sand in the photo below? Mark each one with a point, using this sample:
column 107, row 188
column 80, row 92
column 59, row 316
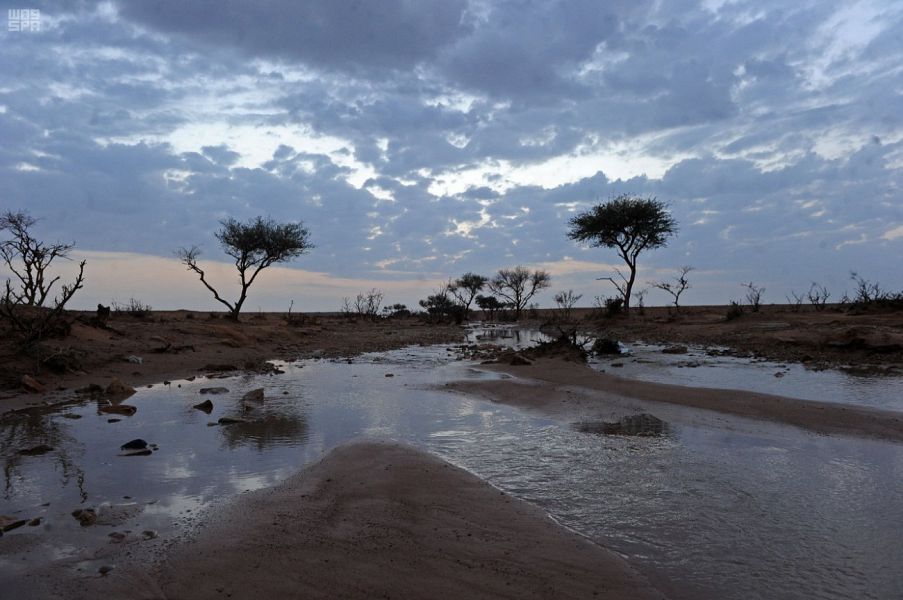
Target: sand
column 376, row 520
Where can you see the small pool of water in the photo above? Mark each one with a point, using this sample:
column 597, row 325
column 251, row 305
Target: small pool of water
column 737, row 509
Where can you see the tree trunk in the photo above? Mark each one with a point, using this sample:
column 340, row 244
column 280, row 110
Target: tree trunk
column 628, row 291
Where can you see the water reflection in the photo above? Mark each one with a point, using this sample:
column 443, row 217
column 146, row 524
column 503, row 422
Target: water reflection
column 730, row 510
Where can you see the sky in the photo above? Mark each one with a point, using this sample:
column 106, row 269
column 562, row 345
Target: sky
column 419, row 140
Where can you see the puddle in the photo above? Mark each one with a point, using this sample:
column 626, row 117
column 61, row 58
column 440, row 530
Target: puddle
column 697, row 368
column 727, row 511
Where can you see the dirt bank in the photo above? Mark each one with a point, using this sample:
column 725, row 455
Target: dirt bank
column 376, row 520
column 831, row 337
column 178, row 344
column 573, row 391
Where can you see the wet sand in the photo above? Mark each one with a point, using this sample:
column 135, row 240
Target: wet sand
column 574, row 391
column 376, row 520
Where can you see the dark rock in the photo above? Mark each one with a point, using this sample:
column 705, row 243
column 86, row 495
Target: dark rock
column 119, row 409
column 206, row 406
column 113, row 420
column 214, row 390
column 92, row 389
column 390, row 375
column 10, row 523
column 642, row 424
column 36, row 450
column 35, row 522
column 32, row 385
column 118, row 390
column 136, row 444
column 85, row 516
column 254, row 396
column 104, row 569
column 518, row 360
column 218, row 367
column 71, row 416
column 145, row 452
column 606, row 346
column 148, row 534
column 231, row 420
column 675, row 350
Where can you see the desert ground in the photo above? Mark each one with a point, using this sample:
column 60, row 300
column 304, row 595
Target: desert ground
column 374, row 519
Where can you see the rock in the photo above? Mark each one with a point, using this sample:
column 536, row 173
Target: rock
column 71, row 416
column 85, row 516
column 104, row 569
column 254, row 396
column 35, row 522
column 118, row 390
column 145, row 452
column 606, row 346
column 214, row 390
column 119, row 409
column 148, row 534
column 231, row 420
column 33, row 385
column 518, row 360
column 642, row 424
column 218, row 367
column 206, row 406
column 135, row 360
column 117, row 537
column 779, row 374
column 390, row 375
column 136, row 444
column 113, row 420
column 36, row 450
column 675, row 350
column 92, row 389
column 10, row 523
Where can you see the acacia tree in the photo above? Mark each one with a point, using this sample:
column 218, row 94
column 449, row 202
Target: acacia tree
column 629, row 224
column 465, row 288
column 254, row 246
column 518, row 286
column 676, row 287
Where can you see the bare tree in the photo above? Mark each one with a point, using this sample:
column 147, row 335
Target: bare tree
column 254, row 246
column 24, row 303
column 818, row 296
column 640, row 297
column 795, row 301
column 675, row 288
column 518, row 286
column 566, row 302
column 29, row 260
column 753, row 295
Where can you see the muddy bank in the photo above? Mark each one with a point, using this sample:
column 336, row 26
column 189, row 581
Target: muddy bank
column 831, row 337
column 572, row 391
column 376, row 520
column 179, row 344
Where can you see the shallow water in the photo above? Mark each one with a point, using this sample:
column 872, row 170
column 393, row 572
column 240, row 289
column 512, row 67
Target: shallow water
column 735, row 510
column 699, row 368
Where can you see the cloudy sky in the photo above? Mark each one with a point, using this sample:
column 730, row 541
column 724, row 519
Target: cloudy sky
column 419, row 139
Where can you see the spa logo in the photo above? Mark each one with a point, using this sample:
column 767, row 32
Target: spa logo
column 24, row 19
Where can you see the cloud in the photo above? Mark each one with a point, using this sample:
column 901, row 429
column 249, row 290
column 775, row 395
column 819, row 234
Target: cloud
column 419, row 140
